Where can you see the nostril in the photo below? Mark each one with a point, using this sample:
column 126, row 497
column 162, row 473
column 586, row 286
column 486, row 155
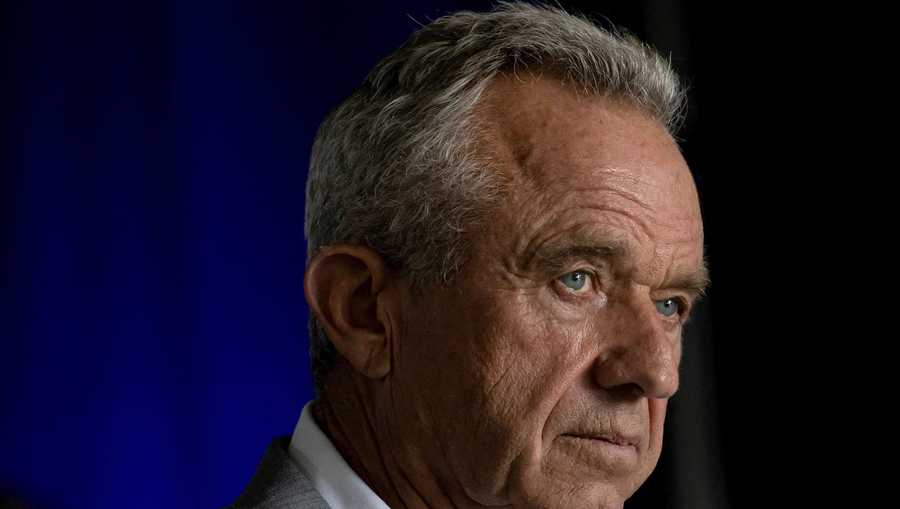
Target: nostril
column 625, row 392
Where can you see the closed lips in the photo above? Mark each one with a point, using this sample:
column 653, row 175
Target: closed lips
column 606, row 437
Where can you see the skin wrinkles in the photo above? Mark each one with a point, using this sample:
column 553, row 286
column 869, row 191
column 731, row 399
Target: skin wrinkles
column 503, row 385
column 406, row 490
column 631, row 219
column 633, row 222
column 520, row 261
column 582, row 234
column 577, row 234
column 625, row 194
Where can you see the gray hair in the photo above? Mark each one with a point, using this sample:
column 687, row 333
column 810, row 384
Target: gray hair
column 394, row 166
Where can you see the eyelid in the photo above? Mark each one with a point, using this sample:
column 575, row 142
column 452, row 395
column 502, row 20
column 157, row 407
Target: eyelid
column 593, row 282
column 577, row 264
column 570, row 263
column 592, row 273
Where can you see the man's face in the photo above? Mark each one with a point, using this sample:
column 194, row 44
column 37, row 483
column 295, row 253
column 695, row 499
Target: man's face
column 540, row 376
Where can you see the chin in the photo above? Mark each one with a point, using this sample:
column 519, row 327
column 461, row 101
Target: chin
column 564, row 500
column 546, row 492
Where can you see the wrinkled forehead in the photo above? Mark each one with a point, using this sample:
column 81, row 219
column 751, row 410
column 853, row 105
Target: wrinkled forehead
column 544, row 135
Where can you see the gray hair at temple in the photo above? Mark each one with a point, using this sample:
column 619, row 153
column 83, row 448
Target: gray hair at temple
column 394, row 167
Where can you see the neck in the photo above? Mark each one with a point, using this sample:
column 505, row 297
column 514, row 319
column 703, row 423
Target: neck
column 351, row 412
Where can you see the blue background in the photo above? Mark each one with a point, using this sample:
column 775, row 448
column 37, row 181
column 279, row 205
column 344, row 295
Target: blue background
column 155, row 331
column 153, row 335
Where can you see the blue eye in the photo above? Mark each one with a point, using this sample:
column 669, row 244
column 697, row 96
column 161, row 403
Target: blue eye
column 668, row 307
column 575, row 280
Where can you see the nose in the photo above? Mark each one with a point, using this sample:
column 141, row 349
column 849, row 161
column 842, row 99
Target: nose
column 642, row 355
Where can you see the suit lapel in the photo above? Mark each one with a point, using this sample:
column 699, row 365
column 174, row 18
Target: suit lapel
column 279, row 484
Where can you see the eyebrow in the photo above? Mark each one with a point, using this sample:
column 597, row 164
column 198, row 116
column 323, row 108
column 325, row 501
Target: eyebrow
column 694, row 282
column 554, row 258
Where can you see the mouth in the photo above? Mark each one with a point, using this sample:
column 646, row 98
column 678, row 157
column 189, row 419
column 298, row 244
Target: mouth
column 610, row 452
column 610, row 438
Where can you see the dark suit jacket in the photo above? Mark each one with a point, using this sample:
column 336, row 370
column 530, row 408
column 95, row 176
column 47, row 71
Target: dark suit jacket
column 279, row 484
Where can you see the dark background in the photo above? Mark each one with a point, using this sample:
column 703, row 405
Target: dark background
column 152, row 169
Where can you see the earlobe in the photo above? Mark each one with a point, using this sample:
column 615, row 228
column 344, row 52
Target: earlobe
column 346, row 289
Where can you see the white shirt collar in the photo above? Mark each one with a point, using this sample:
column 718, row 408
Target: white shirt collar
column 332, row 477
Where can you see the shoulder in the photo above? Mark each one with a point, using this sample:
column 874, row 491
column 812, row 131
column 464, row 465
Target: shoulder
column 278, row 483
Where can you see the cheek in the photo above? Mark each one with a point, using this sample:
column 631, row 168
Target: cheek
column 657, row 409
column 527, row 360
column 537, row 353
column 650, row 456
column 516, row 360
column 542, row 357
column 482, row 375
column 469, row 372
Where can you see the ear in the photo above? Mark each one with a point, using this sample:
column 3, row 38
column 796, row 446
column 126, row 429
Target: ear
column 346, row 289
